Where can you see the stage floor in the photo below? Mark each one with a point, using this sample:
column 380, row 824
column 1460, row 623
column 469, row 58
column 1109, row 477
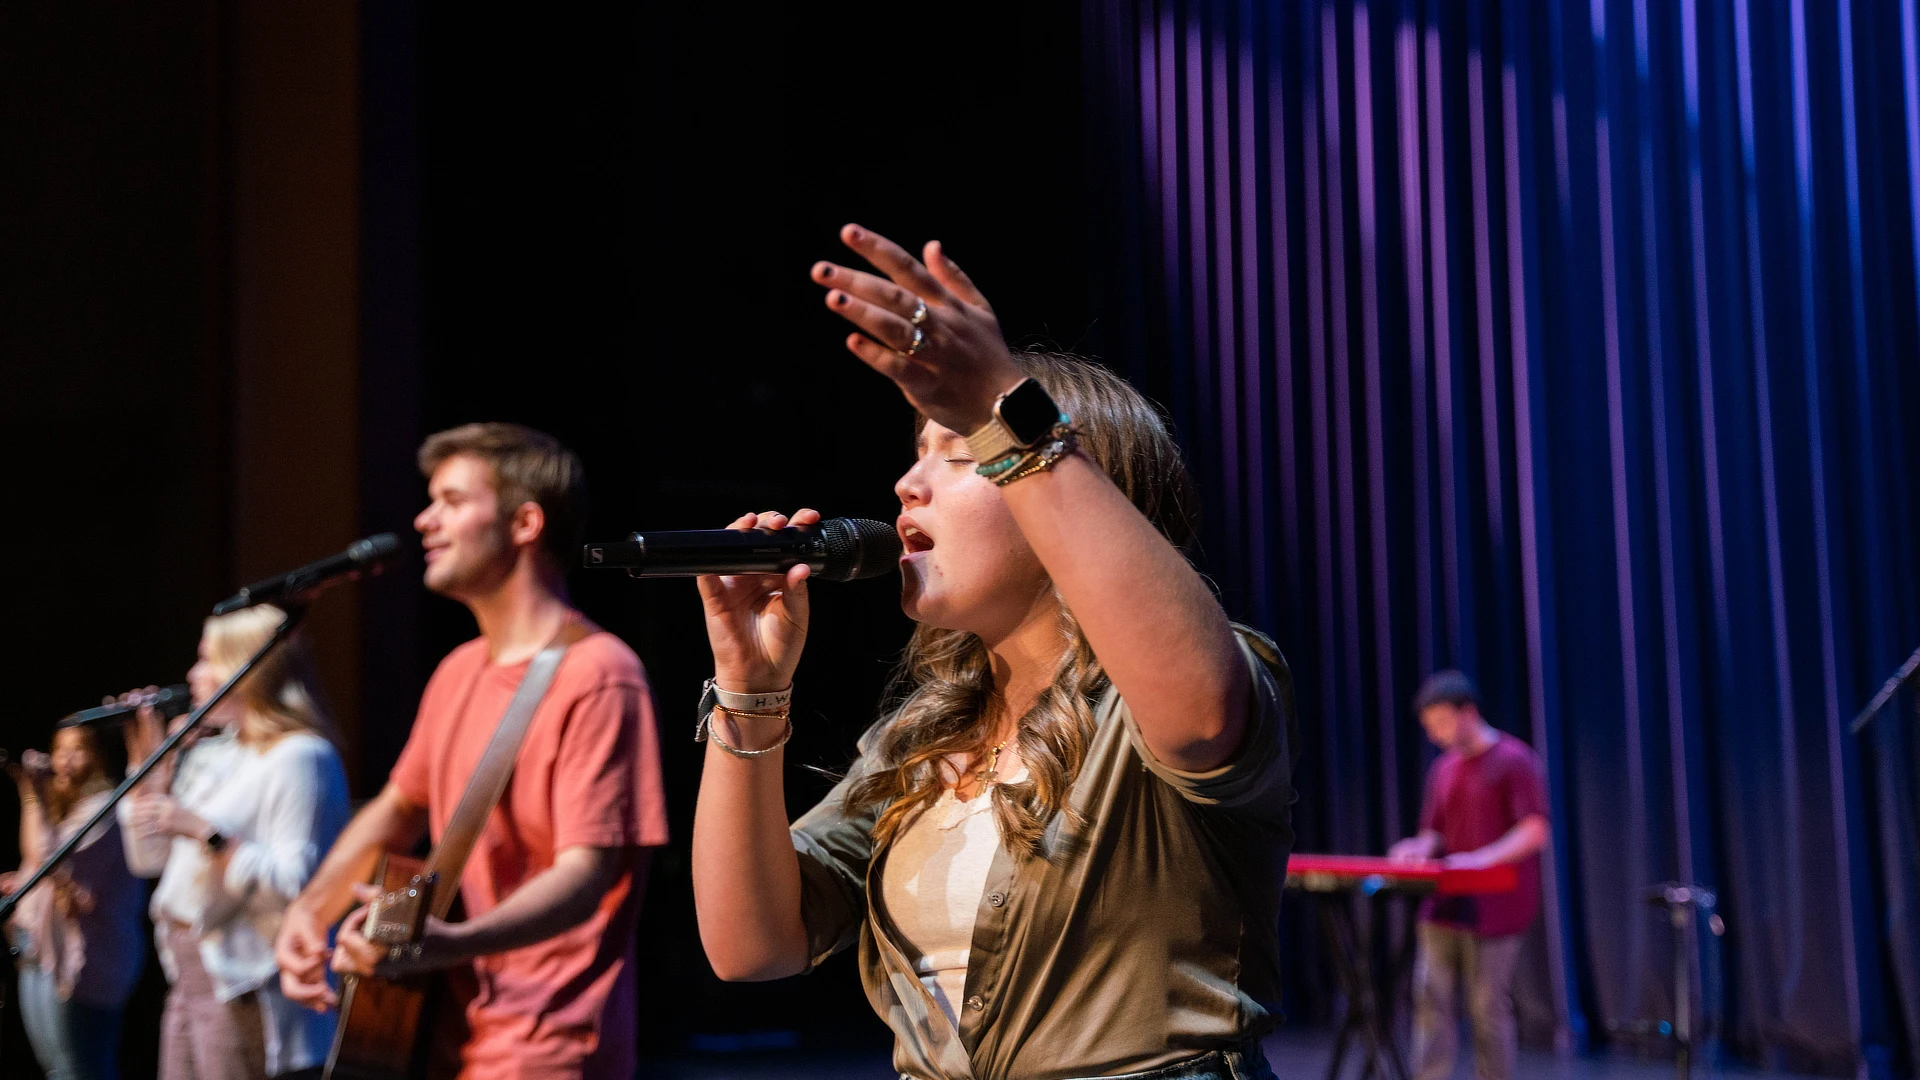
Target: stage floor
column 1295, row 1056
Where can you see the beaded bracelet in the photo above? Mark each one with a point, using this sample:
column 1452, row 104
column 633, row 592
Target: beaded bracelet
column 1001, row 465
column 1065, row 441
column 996, row 468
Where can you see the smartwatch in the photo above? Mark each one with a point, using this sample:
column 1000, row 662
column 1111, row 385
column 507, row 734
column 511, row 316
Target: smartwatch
column 1022, row 417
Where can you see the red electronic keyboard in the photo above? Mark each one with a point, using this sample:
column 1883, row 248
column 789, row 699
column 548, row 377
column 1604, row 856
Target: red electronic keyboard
column 1369, row 874
column 1334, row 881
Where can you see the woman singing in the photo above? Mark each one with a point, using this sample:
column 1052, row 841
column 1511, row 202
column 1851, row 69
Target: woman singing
column 233, row 834
column 1062, row 851
column 78, row 932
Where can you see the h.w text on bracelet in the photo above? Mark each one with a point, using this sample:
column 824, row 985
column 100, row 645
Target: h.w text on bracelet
column 776, row 705
column 772, row 699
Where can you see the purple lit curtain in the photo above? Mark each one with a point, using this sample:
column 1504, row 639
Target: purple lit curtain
column 1572, row 344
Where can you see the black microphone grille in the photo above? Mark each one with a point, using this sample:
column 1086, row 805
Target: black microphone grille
column 859, row 548
column 374, row 549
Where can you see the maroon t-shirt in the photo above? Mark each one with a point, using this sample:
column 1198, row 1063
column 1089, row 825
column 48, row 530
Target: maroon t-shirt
column 1471, row 802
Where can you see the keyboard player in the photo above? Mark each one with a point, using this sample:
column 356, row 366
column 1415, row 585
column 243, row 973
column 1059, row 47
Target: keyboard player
column 1485, row 805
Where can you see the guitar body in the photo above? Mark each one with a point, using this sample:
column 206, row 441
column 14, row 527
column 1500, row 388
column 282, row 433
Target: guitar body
column 413, row 1028
column 381, row 1033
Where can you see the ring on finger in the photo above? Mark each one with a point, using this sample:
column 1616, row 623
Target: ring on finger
column 919, row 342
column 919, row 314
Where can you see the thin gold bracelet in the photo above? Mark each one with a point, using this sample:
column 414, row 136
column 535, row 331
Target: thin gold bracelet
column 781, row 711
column 713, row 732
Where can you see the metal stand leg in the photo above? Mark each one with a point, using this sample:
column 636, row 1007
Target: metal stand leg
column 1338, row 948
column 1353, row 965
column 1684, row 905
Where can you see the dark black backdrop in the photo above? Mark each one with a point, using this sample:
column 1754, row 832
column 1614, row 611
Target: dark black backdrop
column 597, row 223
column 617, row 218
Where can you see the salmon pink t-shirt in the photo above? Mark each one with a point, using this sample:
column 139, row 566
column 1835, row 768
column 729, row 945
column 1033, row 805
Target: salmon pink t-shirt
column 588, row 773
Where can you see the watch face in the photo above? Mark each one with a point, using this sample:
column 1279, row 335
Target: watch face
column 1029, row 413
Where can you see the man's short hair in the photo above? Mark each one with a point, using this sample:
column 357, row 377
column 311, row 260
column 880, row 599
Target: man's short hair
column 1446, row 688
column 528, row 466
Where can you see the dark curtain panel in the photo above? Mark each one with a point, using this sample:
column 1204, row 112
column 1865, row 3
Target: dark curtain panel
column 1571, row 344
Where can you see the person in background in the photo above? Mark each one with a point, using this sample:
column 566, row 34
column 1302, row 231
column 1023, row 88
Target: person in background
column 545, row 959
column 233, row 833
column 1485, row 806
column 78, row 932
column 1061, row 853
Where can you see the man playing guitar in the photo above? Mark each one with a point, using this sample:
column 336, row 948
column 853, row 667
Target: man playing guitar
column 553, row 888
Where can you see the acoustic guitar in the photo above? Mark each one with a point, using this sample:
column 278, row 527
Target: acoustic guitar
column 383, row 1031
column 381, row 1034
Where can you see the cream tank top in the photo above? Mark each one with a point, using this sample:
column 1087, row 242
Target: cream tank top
column 931, row 886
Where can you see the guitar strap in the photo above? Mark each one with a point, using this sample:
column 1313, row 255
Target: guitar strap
column 489, row 780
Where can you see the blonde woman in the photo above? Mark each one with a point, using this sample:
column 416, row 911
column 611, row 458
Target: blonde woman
column 1061, row 854
column 233, row 833
column 78, row 932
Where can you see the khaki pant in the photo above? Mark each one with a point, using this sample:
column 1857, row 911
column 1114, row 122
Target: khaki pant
column 201, row 1037
column 1452, row 968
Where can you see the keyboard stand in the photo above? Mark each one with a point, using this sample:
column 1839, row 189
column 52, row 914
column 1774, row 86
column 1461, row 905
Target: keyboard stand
column 1368, row 1018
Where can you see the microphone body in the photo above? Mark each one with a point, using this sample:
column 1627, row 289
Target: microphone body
column 361, row 557
column 171, row 701
column 838, row 549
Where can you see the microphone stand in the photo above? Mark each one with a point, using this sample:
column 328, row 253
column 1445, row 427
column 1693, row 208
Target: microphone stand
column 1886, row 693
column 280, row 634
column 295, row 612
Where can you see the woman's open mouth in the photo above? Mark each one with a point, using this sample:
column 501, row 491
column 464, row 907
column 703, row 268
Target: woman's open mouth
column 913, row 539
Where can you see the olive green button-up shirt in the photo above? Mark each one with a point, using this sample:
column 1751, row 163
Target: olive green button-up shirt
column 1145, row 935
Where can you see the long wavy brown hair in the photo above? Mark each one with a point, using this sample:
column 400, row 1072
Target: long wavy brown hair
column 942, row 695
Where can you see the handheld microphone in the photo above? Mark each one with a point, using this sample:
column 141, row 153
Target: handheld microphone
column 171, row 701
column 838, row 549
column 361, row 557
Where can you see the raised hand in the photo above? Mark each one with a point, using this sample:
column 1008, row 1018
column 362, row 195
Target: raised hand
column 953, row 362
column 757, row 623
column 34, row 767
column 143, row 735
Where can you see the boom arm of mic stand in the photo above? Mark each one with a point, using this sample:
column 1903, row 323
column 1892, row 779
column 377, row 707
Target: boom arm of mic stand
column 280, row 634
column 1886, row 693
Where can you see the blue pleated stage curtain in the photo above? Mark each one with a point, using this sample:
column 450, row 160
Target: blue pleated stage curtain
column 1571, row 344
